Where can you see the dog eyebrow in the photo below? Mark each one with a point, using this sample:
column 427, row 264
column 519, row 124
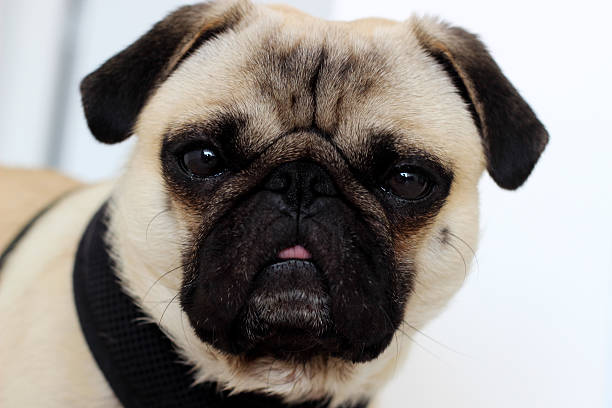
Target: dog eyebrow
column 222, row 128
column 381, row 148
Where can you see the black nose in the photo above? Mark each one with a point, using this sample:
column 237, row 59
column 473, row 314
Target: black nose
column 300, row 183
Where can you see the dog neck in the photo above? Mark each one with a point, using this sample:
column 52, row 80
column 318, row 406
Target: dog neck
column 138, row 360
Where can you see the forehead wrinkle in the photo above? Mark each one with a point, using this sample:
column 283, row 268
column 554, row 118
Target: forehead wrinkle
column 351, row 74
column 283, row 71
column 310, row 80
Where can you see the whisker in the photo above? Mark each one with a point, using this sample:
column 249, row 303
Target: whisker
column 439, row 343
column 387, row 317
column 468, row 246
column 166, row 308
column 162, row 276
column 465, row 267
column 158, row 302
column 397, row 352
column 151, row 222
column 185, row 333
column 437, row 357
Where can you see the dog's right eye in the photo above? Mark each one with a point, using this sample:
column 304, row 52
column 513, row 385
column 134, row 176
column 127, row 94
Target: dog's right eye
column 202, row 163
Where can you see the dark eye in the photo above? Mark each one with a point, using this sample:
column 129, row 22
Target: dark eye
column 408, row 182
column 203, row 162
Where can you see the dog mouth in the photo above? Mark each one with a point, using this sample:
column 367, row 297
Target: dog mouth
column 271, row 297
column 288, row 310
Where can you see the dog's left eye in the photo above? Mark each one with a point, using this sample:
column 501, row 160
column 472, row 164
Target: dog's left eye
column 203, row 162
column 408, row 182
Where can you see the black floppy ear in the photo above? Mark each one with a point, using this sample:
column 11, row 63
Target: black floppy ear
column 512, row 136
column 115, row 93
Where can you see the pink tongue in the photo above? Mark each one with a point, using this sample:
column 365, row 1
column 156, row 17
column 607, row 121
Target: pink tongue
column 295, row 252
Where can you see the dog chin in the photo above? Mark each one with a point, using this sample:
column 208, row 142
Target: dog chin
column 287, row 313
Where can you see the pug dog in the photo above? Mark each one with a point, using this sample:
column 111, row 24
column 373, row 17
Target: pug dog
column 302, row 194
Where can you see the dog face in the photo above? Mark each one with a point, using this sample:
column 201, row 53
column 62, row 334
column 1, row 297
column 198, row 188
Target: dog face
column 304, row 188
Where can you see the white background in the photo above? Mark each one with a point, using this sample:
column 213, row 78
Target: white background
column 531, row 327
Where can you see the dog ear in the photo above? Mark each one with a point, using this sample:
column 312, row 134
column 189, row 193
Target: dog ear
column 115, row 93
column 512, row 136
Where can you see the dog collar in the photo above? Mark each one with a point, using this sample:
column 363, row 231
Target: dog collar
column 136, row 357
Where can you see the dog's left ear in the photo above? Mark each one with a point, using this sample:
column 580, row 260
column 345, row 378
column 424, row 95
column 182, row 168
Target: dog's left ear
column 115, row 93
column 512, row 136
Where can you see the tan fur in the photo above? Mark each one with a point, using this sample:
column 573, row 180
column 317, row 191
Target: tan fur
column 25, row 192
column 389, row 82
column 45, row 361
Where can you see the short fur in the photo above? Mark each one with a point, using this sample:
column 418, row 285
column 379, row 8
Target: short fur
column 30, row 192
column 351, row 96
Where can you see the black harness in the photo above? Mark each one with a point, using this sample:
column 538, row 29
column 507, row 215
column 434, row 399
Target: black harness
column 137, row 359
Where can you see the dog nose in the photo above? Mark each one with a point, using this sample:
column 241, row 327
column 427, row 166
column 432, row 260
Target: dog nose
column 300, row 183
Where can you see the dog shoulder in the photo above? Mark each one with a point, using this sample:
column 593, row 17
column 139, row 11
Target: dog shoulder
column 25, row 193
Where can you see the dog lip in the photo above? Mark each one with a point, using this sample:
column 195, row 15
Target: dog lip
column 288, row 295
column 294, row 252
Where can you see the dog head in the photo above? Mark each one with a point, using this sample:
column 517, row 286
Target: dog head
column 305, row 190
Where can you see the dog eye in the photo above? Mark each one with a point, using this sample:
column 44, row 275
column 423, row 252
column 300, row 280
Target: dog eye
column 204, row 162
column 408, row 182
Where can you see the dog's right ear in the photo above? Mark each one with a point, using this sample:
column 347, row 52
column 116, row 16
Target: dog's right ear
column 115, row 93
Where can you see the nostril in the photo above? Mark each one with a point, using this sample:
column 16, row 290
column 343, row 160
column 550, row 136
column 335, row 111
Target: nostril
column 278, row 182
column 323, row 186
